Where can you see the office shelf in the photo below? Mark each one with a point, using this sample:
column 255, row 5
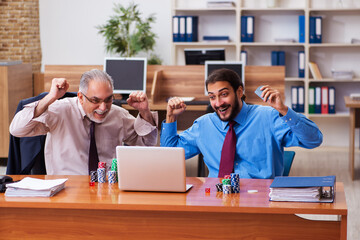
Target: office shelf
column 281, row 21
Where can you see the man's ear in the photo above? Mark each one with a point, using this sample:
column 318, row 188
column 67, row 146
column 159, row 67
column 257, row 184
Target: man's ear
column 80, row 97
column 240, row 92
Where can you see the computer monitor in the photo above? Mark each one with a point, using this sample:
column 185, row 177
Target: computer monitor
column 129, row 74
column 199, row 56
column 237, row 66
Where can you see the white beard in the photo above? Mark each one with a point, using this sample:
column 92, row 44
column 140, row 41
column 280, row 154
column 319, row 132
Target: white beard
column 92, row 118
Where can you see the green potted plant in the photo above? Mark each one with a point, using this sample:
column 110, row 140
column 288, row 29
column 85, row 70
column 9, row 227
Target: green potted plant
column 127, row 34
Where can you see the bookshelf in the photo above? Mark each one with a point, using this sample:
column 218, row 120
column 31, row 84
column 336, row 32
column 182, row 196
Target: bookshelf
column 340, row 18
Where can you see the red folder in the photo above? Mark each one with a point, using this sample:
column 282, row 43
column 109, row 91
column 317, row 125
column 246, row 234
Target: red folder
column 324, row 100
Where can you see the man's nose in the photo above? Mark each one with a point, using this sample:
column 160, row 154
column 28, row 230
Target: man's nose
column 102, row 106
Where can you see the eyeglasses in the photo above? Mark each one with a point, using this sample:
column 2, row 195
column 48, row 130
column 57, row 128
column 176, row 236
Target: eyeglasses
column 96, row 100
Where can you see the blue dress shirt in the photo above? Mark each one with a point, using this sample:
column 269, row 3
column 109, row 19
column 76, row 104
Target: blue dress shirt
column 261, row 136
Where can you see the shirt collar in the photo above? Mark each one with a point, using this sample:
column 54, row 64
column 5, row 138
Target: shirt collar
column 240, row 118
column 83, row 115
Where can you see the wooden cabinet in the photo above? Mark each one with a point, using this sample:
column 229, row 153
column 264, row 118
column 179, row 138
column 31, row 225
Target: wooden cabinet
column 15, row 84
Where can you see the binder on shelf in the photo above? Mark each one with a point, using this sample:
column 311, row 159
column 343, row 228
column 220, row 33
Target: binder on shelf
column 243, row 29
column 216, row 38
column 318, row 100
column 312, row 27
column 281, row 58
column 243, row 57
column 324, row 100
column 315, row 72
column 294, row 98
column 332, row 108
column 250, row 28
column 182, row 28
column 191, row 28
column 301, row 29
column 277, row 58
column 301, row 64
column 301, row 96
column 311, row 100
column 318, row 29
column 176, row 36
column 274, row 58
column 303, row 189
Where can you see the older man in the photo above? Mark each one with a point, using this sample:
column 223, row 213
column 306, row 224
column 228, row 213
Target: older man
column 68, row 124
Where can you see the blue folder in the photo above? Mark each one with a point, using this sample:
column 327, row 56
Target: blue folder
column 318, row 29
column 301, row 29
column 312, row 27
column 191, row 29
column 281, row 58
column 250, row 29
column 243, row 28
column 176, row 29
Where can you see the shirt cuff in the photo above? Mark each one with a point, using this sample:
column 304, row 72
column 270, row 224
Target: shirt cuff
column 143, row 127
column 291, row 118
column 168, row 129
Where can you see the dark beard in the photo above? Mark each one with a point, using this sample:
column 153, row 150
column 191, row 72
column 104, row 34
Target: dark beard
column 235, row 110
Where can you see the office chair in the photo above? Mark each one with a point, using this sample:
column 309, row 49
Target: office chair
column 288, row 160
column 26, row 154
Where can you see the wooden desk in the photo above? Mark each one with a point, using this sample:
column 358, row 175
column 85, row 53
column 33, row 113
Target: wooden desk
column 104, row 212
column 354, row 123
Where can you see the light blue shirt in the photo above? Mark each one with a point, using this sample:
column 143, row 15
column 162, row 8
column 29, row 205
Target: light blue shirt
column 261, row 134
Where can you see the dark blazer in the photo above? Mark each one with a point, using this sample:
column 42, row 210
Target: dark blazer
column 26, row 154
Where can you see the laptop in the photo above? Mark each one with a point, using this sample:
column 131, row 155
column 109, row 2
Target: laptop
column 159, row 169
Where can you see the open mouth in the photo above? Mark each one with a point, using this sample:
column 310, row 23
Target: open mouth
column 223, row 109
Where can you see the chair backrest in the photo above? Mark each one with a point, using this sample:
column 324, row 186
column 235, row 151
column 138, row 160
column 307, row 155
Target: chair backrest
column 26, row 154
column 288, row 160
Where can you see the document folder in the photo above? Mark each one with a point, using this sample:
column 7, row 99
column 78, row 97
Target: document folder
column 303, row 189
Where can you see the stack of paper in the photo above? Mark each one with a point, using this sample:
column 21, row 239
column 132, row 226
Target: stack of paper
column 217, row 4
column 310, row 194
column 33, row 187
column 303, row 189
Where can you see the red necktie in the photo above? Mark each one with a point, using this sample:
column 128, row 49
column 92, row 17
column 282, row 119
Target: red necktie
column 228, row 152
column 93, row 154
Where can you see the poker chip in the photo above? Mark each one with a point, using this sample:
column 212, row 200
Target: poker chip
column 114, row 165
column 226, row 189
column 93, row 176
column 102, row 165
column 101, row 175
column 112, row 177
column 219, row 187
column 207, row 190
column 235, row 182
column 226, row 182
column 227, row 177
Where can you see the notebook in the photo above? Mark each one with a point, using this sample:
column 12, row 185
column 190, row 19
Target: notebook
column 160, row 169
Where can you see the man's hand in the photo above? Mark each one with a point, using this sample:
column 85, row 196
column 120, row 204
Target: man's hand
column 139, row 101
column 273, row 98
column 58, row 88
column 175, row 107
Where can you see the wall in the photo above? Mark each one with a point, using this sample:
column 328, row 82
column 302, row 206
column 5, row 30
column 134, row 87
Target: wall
column 69, row 34
column 19, row 31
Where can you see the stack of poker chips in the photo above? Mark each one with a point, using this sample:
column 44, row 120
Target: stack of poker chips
column 219, row 187
column 230, row 184
column 101, row 172
column 226, row 188
column 235, row 183
column 114, row 167
column 93, row 176
column 112, row 177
